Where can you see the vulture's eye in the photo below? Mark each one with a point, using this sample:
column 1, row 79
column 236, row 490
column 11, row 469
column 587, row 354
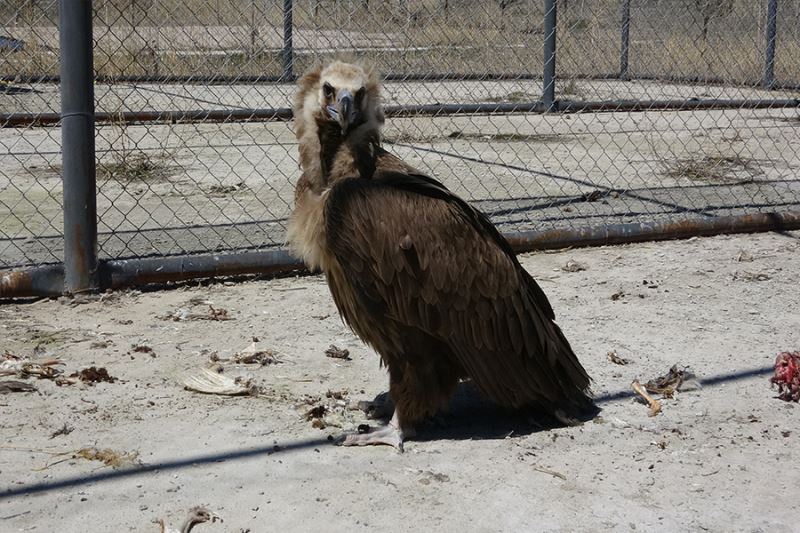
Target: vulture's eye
column 328, row 91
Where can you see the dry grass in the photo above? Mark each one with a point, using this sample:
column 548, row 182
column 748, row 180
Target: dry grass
column 715, row 169
column 136, row 167
column 128, row 163
column 569, row 89
column 240, row 37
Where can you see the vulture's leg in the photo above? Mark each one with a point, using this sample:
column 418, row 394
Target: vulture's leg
column 418, row 389
column 408, row 389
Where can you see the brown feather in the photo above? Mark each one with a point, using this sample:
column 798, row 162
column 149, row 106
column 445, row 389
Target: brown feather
column 420, row 275
column 532, row 360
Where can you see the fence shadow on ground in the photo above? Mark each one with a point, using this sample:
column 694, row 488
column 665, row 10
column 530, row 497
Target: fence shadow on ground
column 468, row 419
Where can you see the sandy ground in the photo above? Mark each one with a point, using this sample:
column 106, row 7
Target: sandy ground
column 716, row 459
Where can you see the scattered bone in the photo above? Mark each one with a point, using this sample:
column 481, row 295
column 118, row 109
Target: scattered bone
column 109, row 457
column 248, row 356
column 178, row 315
column 217, row 314
column 553, row 473
column 672, row 381
column 15, row 386
column 207, row 381
column 183, row 314
column 616, row 359
column 23, row 367
column 337, row 395
column 197, row 515
column 106, row 456
column 573, row 266
column 744, row 257
column 655, row 405
column 330, row 413
column 338, row 353
column 62, row 381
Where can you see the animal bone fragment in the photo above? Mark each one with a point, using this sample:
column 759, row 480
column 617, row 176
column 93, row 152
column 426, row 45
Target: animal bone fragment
column 655, row 405
column 207, row 381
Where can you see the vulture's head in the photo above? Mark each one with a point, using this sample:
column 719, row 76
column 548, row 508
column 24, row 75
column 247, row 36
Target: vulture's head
column 340, row 94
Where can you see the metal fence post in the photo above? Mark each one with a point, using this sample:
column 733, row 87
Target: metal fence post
column 626, row 39
column 771, row 35
column 77, row 146
column 288, row 52
column 253, row 29
column 549, row 75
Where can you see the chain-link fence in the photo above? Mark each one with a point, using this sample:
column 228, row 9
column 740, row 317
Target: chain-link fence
column 676, row 111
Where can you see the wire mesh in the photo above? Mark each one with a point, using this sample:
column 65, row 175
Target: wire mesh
column 174, row 187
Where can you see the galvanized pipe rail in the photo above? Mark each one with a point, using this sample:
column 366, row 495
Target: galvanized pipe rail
column 116, row 274
column 283, row 114
column 549, row 71
column 77, row 147
column 770, row 38
column 168, row 79
column 81, row 270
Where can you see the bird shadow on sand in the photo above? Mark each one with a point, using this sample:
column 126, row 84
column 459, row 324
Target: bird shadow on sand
column 470, row 416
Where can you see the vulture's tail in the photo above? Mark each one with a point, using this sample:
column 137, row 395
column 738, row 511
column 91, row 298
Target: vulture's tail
column 577, row 399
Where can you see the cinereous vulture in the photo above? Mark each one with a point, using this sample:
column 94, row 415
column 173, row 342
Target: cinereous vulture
column 417, row 273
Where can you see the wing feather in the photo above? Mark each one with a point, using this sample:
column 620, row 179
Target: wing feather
column 428, row 260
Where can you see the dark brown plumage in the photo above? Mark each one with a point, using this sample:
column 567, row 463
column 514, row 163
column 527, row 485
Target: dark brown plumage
column 416, row 272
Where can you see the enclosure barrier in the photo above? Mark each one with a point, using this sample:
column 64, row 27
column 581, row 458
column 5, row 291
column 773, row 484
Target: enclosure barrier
column 82, row 270
column 50, row 281
column 77, row 141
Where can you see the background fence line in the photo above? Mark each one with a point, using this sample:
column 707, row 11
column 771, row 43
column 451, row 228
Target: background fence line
column 490, row 136
column 288, row 53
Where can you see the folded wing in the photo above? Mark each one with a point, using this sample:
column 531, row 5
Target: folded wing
column 413, row 254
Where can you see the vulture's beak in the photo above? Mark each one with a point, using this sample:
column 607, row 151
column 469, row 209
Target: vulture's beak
column 345, row 109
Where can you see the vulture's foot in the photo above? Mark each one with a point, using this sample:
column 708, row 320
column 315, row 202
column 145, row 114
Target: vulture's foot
column 391, row 434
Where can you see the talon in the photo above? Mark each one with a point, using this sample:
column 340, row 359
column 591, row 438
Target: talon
column 371, row 436
column 390, row 435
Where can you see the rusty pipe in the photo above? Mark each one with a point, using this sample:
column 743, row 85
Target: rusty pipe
column 116, row 274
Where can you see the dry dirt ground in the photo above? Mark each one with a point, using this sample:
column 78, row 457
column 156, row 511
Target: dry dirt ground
column 718, row 458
